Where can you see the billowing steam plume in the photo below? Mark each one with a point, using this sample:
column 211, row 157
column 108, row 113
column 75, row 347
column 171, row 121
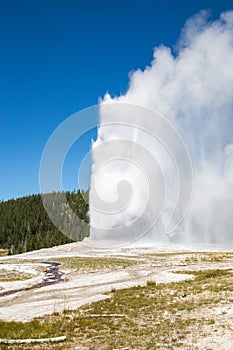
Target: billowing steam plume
column 136, row 173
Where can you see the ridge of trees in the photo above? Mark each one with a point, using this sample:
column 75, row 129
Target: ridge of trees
column 26, row 226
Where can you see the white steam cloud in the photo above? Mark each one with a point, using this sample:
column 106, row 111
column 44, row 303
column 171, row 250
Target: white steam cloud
column 193, row 89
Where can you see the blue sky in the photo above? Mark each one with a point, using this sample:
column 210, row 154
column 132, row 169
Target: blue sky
column 58, row 57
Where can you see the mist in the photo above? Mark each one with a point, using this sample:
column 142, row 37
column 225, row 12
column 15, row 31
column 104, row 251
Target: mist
column 163, row 159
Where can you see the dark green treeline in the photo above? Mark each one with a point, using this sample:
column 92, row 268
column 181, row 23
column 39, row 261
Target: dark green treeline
column 25, row 225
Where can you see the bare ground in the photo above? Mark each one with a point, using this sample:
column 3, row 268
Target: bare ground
column 86, row 284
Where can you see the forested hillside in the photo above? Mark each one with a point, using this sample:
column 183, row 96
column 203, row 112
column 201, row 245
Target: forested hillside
column 25, row 225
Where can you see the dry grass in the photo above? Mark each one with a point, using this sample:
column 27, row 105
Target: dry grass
column 3, row 252
column 89, row 264
column 13, row 275
column 209, row 257
column 165, row 316
column 189, row 258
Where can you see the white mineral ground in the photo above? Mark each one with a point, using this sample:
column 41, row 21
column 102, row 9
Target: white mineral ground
column 79, row 288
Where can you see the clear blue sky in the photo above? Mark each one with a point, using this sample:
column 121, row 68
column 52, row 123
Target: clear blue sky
column 58, row 57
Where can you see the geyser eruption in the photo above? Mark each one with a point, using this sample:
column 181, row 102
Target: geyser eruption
column 141, row 176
